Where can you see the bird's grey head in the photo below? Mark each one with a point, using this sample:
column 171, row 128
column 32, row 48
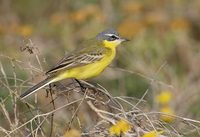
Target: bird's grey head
column 110, row 35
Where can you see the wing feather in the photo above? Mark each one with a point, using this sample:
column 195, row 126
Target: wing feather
column 78, row 59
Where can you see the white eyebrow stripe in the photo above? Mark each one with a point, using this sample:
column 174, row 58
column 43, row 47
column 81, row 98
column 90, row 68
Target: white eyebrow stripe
column 111, row 35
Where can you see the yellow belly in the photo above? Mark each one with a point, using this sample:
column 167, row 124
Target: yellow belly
column 88, row 71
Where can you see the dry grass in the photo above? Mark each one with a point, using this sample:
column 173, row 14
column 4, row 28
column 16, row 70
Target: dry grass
column 91, row 110
column 163, row 55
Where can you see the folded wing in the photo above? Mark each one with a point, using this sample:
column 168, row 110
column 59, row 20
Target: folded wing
column 78, row 59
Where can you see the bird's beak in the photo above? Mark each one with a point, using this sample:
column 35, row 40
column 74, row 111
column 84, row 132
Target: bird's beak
column 124, row 39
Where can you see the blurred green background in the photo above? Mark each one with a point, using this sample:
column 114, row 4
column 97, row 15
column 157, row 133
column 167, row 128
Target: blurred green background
column 163, row 54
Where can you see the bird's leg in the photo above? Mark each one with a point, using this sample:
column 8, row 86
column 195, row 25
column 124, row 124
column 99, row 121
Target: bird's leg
column 81, row 85
column 48, row 90
column 51, row 85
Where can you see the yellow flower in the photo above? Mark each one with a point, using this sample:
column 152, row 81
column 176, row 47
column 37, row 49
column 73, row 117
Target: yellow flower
column 153, row 19
column 167, row 111
column 132, row 7
column 72, row 133
column 57, row 18
column 25, row 30
column 119, row 128
column 164, row 97
column 130, row 28
column 2, row 30
column 152, row 134
column 179, row 24
column 83, row 14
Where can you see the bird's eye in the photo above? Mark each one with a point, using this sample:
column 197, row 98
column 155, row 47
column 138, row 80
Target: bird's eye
column 112, row 38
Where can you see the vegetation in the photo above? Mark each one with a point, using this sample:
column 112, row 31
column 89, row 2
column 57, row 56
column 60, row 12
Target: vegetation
column 151, row 89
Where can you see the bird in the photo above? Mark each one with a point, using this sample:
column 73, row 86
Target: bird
column 83, row 63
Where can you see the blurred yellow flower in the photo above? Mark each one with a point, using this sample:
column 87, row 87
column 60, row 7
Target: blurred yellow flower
column 132, row 7
column 164, row 97
column 167, row 111
column 152, row 134
column 13, row 28
column 25, row 30
column 1, row 29
column 82, row 15
column 152, row 19
column 179, row 24
column 57, row 18
column 130, row 28
column 72, row 133
column 119, row 128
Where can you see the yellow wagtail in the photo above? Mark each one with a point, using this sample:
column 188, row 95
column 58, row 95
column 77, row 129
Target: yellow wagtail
column 82, row 64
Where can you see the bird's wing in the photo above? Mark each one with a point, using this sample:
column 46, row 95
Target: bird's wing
column 82, row 57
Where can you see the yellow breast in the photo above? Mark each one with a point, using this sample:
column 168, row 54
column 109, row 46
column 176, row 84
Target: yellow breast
column 93, row 69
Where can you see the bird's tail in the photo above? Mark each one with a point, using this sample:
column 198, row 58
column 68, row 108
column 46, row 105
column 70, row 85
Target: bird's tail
column 36, row 87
